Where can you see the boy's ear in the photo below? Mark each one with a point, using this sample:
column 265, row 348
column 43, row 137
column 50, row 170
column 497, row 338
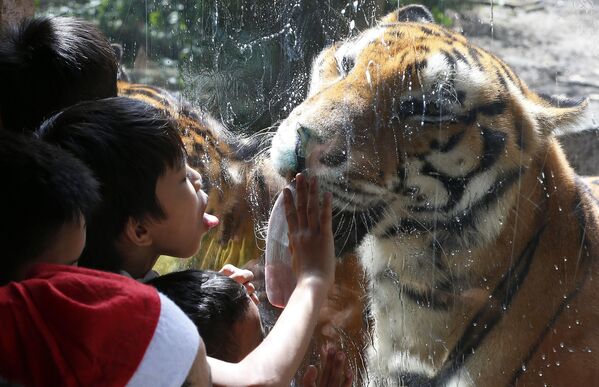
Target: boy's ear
column 137, row 232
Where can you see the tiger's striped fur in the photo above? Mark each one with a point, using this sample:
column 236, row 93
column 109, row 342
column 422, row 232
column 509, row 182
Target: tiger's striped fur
column 479, row 242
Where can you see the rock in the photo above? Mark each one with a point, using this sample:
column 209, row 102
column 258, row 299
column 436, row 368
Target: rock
column 582, row 151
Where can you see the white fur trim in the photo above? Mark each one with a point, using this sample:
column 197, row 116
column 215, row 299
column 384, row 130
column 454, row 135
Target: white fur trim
column 171, row 351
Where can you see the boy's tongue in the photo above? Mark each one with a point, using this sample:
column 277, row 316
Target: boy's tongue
column 210, row 221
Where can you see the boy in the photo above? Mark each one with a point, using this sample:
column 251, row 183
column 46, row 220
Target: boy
column 68, row 326
column 152, row 204
column 46, row 196
column 230, row 323
column 47, row 64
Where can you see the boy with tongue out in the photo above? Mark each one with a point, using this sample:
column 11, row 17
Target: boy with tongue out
column 152, row 203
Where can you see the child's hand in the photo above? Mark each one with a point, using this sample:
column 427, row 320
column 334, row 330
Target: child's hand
column 334, row 371
column 243, row 277
column 310, row 232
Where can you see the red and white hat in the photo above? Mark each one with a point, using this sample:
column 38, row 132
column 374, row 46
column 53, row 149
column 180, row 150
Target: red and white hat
column 78, row 327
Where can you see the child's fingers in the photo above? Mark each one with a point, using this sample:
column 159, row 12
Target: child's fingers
column 290, row 211
column 349, row 378
column 240, row 276
column 328, row 367
column 326, row 212
column 255, row 298
column 310, row 376
column 251, row 291
column 228, row 269
column 250, row 287
column 313, row 217
column 338, row 371
column 302, row 196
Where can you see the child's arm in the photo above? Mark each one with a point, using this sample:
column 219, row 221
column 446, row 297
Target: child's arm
column 275, row 361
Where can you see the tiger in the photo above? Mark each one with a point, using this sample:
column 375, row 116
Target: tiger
column 478, row 241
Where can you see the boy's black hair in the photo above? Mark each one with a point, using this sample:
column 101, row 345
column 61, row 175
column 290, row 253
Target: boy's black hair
column 128, row 145
column 47, row 64
column 213, row 301
column 43, row 188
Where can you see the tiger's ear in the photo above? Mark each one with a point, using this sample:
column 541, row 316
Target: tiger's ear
column 561, row 115
column 410, row 13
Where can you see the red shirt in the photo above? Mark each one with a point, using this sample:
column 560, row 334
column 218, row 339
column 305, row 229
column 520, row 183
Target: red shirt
column 72, row 326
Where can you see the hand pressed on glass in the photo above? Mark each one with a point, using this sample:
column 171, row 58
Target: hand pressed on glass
column 310, row 231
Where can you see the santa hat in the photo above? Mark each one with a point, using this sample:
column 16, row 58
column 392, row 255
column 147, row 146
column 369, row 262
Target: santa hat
column 78, row 327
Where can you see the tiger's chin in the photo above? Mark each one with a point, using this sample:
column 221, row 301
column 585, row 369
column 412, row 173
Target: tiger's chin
column 390, row 219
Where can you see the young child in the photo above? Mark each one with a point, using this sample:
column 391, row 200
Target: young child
column 230, row 323
column 69, row 326
column 46, row 196
column 47, row 64
column 220, row 308
column 152, row 204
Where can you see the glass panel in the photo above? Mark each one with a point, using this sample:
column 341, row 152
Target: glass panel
column 466, row 250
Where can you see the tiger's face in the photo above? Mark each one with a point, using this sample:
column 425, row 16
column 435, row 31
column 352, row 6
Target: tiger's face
column 412, row 128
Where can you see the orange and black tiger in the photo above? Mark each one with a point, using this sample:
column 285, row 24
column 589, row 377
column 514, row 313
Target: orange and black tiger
column 480, row 243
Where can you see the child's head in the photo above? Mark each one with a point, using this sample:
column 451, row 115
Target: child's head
column 151, row 202
column 226, row 317
column 45, row 198
column 47, row 64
